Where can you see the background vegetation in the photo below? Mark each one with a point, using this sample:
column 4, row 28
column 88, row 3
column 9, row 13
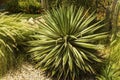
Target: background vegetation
column 68, row 43
column 26, row 6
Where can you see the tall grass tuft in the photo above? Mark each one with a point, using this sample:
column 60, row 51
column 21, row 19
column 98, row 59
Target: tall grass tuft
column 13, row 33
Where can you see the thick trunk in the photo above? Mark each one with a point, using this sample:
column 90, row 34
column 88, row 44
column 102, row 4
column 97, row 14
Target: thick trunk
column 114, row 18
column 44, row 4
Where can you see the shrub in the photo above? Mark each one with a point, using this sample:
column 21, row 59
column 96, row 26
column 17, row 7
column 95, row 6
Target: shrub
column 64, row 46
column 111, row 69
column 26, row 6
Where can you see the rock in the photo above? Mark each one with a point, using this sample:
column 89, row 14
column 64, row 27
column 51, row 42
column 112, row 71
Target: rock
column 31, row 21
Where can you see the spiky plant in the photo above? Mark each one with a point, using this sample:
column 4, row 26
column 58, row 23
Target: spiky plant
column 12, row 33
column 65, row 46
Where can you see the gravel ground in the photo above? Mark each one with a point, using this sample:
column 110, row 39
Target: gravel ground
column 25, row 72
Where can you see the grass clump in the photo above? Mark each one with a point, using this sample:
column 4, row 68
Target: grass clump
column 12, row 35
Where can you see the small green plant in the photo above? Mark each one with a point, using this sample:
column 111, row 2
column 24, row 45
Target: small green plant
column 64, row 46
column 30, row 6
column 111, row 70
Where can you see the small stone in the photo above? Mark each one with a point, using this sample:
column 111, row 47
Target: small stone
column 31, row 21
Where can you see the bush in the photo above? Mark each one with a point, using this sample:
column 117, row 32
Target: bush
column 65, row 47
column 26, row 6
column 30, row 6
column 111, row 69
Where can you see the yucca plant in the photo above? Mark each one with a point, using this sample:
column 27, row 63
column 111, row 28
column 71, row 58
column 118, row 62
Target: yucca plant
column 64, row 44
column 12, row 33
column 29, row 6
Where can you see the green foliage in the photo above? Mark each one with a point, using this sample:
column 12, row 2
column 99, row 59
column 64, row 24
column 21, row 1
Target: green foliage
column 64, row 45
column 12, row 35
column 26, row 6
column 111, row 70
column 85, row 3
column 6, row 50
column 30, row 6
